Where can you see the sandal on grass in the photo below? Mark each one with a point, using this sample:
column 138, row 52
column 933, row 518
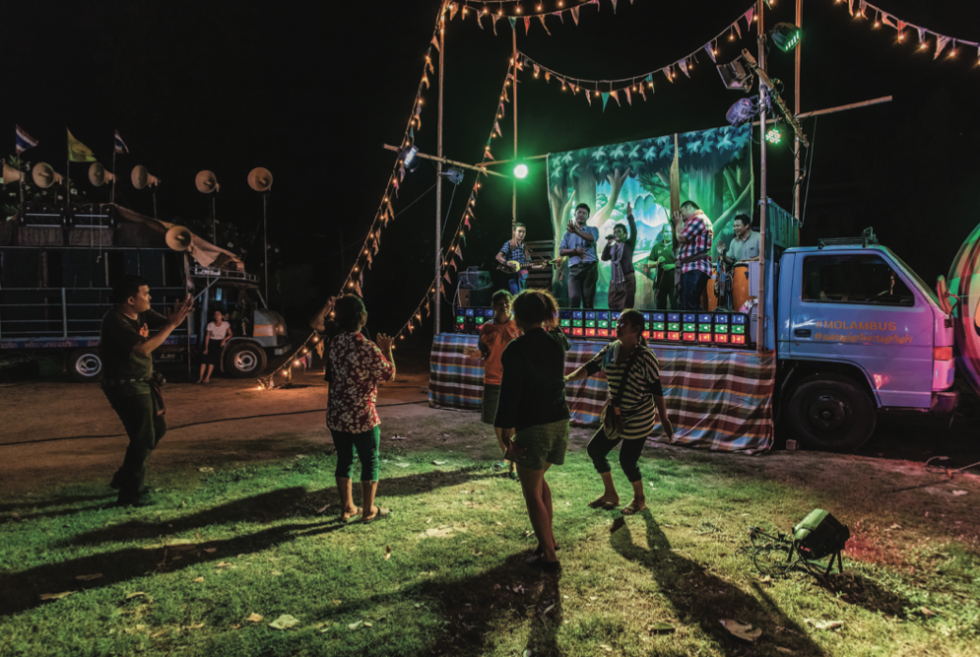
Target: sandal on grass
column 633, row 508
column 345, row 516
column 603, row 504
column 380, row 514
column 513, row 475
column 500, row 465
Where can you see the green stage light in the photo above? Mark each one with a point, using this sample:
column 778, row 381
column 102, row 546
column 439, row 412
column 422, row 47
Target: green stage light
column 774, row 136
column 785, row 36
column 520, row 171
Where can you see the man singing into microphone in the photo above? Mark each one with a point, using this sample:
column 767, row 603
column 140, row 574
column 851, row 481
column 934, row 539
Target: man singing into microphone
column 579, row 243
column 619, row 250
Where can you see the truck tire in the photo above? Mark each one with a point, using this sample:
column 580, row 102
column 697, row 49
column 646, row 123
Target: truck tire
column 244, row 359
column 85, row 365
column 831, row 412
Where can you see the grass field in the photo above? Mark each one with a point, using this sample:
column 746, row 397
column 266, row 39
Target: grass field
column 445, row 574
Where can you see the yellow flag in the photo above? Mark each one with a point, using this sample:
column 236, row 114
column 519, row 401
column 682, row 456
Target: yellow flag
column 77, row 151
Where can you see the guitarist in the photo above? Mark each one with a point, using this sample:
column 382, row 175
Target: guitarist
column 515, row 251
column 661, row 259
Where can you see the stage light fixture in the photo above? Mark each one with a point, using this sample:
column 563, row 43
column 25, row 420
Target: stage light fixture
column 742, row 110
column 735, row 76
column 774, row 136
column 520, row 171
column 409, row 157
column 454, row 175
column 785, row 36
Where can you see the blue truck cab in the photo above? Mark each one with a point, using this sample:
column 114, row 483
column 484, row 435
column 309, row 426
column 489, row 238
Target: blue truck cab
column 856, row 331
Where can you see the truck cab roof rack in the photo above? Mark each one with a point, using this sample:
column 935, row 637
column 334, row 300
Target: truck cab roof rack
column 867, row 237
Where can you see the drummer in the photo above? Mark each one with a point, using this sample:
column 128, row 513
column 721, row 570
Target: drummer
column 745, row 245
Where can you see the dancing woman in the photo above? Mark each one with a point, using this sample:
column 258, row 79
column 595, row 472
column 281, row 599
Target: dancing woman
column 532, row 413
column 633, row 373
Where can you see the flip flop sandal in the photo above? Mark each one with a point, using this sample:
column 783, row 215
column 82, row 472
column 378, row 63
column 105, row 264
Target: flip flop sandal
column 513, row 475
column 630, row 510
column 607, row 505
column 382, row 514
column 499, row 465
column 351, row 516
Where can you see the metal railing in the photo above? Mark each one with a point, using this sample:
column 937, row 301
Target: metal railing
column 73, row 316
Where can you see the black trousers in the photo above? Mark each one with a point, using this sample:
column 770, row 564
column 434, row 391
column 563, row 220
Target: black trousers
column 137, row 408
column 629, row 456
column 582, row 279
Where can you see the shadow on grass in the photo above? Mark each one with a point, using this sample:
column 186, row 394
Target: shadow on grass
column 53, row 501
column 700, row 597
column 858, row 590
column 426, row 482
column 23, row 590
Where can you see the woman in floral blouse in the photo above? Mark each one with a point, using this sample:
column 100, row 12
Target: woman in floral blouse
column 355, row 367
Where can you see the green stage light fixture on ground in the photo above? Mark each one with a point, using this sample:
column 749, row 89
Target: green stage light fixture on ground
column 520, row 171
column 785, row 36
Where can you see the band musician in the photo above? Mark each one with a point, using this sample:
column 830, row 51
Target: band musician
column 578, row 244
column 660, row 266
column 515, row 259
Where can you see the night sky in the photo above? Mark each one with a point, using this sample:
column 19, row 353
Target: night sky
column 311, row 91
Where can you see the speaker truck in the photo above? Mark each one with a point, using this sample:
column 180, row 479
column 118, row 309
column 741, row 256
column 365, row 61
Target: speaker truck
column 57, row 269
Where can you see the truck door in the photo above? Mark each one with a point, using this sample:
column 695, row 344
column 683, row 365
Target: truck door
column 859, row 308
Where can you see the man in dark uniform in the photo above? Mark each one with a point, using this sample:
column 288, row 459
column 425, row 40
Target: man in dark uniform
column 126, row 349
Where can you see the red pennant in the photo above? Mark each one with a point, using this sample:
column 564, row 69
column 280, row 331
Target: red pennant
column 748, row 16
column 435, row 41
column 574, row 11
column 629, row 98
column 446, row 276
column 588, row 97
column 527, row 24
column 466, row 222
column 459, row 252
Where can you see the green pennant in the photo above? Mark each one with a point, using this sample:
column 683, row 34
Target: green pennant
column 463, row 236
column 513, row 23
column 605, row 99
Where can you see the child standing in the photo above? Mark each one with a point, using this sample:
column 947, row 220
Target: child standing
column 494, row 337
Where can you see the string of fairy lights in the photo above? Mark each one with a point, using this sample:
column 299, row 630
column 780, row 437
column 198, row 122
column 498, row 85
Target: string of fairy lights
column 859, row 9
column 384, row 213
column 640, row 83
column 454, row 251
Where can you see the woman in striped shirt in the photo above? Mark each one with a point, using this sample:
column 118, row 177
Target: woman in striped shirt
column 642, row 393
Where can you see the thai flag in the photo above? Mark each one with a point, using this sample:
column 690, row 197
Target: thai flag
column 120, row 144
column 24, row 141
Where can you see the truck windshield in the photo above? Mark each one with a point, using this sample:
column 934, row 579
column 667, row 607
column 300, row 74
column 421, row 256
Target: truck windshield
column 916, row 279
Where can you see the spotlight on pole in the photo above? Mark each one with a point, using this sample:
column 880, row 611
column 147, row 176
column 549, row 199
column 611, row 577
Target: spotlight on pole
column 408, row 157
column 785, row 36
column 454, row 175
column 735, row 75
column 520, row 171
column 743, row 110
column 774, row 136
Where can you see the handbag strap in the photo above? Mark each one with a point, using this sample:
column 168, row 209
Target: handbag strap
column 618, row 399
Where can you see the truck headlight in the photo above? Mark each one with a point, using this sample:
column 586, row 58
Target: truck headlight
column 280, row 329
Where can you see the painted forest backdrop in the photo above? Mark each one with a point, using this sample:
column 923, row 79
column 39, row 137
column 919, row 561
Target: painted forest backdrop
column 716, row 173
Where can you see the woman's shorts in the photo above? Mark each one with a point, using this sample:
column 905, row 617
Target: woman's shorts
column 543, row 443
column 491, row 395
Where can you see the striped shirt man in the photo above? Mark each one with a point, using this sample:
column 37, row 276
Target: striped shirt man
column 638, row 410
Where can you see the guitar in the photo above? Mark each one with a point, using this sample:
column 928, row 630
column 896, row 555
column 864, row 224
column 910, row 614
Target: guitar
column 512, row 266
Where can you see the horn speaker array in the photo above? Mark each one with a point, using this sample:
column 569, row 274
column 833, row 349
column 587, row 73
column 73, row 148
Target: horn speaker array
column 142, row 178
column 260, row 179
column 98, row 176
column 11, row 174
column 179, row 238
column 44, row 176
column 206, row 182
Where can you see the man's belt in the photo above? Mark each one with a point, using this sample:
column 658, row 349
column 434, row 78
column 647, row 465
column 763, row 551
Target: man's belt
column 122, row 382
column 703, row 255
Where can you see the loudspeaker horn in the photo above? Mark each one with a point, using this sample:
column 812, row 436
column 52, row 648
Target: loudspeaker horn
column 45, row 176
column 260, row 179
column 11, row 174
column 98, row 176
column 179, row 238
column 206, row 182
column 141, row 177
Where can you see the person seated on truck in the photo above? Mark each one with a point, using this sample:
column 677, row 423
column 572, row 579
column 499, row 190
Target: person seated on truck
column 216, row 337
column 633, row 374
column 694, row 233
column 744, row 246
column 128, row 381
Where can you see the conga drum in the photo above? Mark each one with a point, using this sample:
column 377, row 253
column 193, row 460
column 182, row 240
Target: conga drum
column 740, row 285
column 709, row 300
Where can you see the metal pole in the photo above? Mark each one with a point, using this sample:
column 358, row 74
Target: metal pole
column 761, row 308
column 112, row 190
column 214, row 224
column 796, row 112
column 265, row 246
column 442, row 55
column 513, row 216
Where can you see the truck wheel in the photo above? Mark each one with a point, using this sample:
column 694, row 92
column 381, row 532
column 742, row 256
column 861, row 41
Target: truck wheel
column 831, row 412
column 85, row 365
column 244, row 360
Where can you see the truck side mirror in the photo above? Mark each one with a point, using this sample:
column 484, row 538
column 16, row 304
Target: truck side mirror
column 942, row 291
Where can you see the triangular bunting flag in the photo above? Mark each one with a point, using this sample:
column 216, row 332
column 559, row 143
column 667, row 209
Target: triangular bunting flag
column 527, row 24
column 573, row 88
column 643, row 90
column 547, row 76
column 850, row 7
column 452, row 263
column 428, row 65
column 615, row 96
column 459, row 251
column 667, row 72
column 494, row 24
column 370, row 260
column 614, row 5
column 462, row 236
column 863, row 9
column 425, row 80
column 496, row 129
column 466, row 222
column 941, row 42
column 513, row 22
column 479, row 20
column 901, row 27
column 560, row 16
column 574, row 11
column 629, row 99
column 709, row 48
column 749, row 15
column 537, row 70
column 737, row 29
column 922, row 34
column 605, row 99
column 541, row 18
column 435, row 41
column 683, row 65
column 888, row 20
column 588, row 97
column 445, row 275
column 453, row 8
column 409, row 326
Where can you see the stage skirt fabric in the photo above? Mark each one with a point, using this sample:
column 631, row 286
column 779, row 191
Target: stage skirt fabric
column 717, row 399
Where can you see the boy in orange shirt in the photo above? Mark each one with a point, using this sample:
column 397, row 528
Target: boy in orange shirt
column 494, row 337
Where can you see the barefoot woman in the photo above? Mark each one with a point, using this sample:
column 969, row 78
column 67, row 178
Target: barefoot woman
column 532, row 412
column 642, row 391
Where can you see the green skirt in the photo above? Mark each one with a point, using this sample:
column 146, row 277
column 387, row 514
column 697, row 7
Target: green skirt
column 491, row 395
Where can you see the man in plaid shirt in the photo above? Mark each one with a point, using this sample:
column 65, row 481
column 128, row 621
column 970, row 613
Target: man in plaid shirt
column 694, row 233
